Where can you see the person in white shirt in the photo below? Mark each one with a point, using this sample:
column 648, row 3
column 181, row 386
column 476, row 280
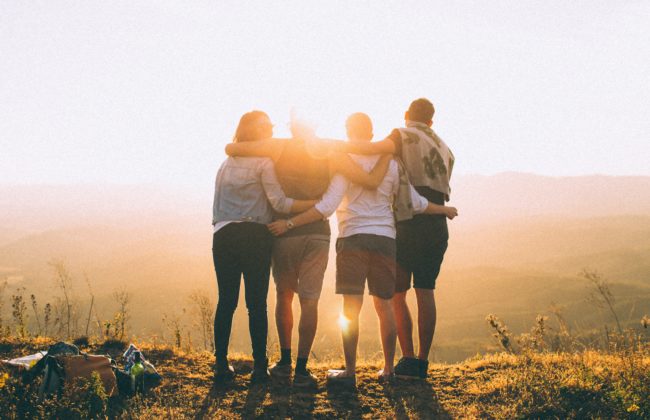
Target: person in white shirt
column 365, row 247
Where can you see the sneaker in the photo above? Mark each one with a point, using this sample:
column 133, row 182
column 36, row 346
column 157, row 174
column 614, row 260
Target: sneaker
column 305, row 379
column 424, row 368
column 341, row 377
column 408, row 368
column 223, row 373
column 279, row 371
column 260, row 375
column 260, row 371
column 385, row 378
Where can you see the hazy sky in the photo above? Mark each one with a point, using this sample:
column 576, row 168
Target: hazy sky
column 151, row 91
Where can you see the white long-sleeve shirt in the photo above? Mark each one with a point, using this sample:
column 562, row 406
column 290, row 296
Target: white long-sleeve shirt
column 362, row 210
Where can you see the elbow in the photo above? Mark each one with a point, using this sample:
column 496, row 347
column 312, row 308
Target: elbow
column 324, row 212
column 288, row 205
column 228, row 149
column 281, row 206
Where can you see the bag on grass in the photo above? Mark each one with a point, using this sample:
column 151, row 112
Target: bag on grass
column 61, row 371
column 59, row 349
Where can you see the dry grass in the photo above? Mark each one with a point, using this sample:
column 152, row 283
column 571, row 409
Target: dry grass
column 550, row 385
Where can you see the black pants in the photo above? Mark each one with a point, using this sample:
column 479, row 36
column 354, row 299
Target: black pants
column 242, row 248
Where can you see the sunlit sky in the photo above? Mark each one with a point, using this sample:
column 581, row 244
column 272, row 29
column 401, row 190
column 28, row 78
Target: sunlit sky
column 151, row 91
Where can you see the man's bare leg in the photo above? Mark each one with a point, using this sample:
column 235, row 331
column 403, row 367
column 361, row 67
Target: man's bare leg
column 404, row 324
column 307, row 326
column 388, row 331
column 426, row 321
column 351, row 309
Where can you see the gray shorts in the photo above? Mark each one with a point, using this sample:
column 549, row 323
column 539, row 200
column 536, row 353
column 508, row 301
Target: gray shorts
column 364, row 256
column 299, row 264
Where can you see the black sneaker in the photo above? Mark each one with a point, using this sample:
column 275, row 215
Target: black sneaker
column 261, row 372
column 223, row 373
column 281, row 372
column 305, row 379
column 408, row 368
column 260, row 376
column 424, row 368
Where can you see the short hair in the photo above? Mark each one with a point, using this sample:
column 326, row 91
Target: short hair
column 246, row 127
column 359, row 125
column 421, row 110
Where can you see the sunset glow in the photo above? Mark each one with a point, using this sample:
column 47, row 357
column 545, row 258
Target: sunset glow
column 220, row 183
column 344, row 323
column 93, row 97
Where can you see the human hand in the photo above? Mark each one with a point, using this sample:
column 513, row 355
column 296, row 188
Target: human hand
column 278, row 227
column 451, row 212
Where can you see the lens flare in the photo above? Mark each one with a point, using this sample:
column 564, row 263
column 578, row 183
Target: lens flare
column 344, row 323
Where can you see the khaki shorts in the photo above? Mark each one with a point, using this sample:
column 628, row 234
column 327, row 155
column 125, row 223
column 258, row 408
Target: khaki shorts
column 299, row 264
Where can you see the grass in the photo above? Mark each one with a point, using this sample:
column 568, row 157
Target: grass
column 538, row 385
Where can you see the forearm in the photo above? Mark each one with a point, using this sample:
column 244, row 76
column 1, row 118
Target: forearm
column 300, row 206
column 262, row 148
column 357, row 148
column 307, row 217
column 386, row 146
column 344, row 165
column 274, row 193
column 435, row 209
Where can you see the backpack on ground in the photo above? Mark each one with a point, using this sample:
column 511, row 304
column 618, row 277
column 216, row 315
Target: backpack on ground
column 61, row 371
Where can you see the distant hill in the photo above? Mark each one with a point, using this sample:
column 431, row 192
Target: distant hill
column 37, row 208
column 513, row 195
column 480, row 198
column 515, row 249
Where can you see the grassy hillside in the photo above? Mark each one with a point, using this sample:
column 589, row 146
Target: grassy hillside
column 516, row 270
column 515, row 250
column 583, row 385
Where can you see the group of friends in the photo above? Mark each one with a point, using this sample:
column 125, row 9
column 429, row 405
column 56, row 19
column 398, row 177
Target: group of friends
column 271, row 204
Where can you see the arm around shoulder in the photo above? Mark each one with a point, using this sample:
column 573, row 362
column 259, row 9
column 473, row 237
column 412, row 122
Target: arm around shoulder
column 385, row 146
column 264, row 148
column 342, row 163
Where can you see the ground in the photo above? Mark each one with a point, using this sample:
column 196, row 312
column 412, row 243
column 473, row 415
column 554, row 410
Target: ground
column 547, row 385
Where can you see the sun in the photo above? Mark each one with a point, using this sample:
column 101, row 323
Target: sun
column 344, row 323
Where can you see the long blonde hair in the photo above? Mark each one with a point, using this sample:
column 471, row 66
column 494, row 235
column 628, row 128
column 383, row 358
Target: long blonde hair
column 246, row 129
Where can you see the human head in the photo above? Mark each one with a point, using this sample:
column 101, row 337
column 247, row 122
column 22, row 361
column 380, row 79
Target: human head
column 254, row 125
column 359, row 127
column 421, row 110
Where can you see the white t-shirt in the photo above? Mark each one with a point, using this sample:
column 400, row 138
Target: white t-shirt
column 362, row 210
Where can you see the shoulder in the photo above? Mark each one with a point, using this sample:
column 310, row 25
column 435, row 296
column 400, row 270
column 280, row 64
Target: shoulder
column 395, row 135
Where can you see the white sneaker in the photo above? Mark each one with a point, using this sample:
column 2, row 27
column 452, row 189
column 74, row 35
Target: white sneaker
column 337, row 376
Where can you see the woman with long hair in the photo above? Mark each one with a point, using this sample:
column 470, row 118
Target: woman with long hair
column 246, row 193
